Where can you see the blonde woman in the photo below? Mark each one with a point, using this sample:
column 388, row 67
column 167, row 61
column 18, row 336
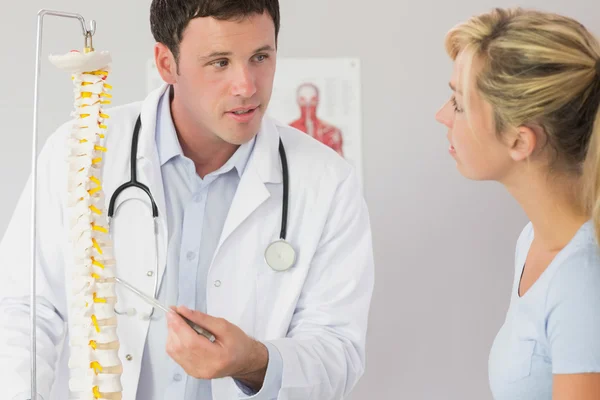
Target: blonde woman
column 525, row 112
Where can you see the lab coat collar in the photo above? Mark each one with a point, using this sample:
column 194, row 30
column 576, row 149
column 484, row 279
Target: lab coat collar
column 263, row 167
column 147, row 141
column 167, row 141
column 265, row 156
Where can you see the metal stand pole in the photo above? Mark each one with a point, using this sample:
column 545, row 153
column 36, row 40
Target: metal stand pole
column 87, row 34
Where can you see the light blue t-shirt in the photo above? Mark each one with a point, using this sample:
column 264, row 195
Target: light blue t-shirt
column 554, row 328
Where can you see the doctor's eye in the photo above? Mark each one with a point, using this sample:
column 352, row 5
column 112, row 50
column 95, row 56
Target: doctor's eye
column 220, row 64
column 261, row 57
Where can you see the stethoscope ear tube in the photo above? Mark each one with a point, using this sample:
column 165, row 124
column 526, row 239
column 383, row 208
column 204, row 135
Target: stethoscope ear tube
column 133, row 181
column 286, row 190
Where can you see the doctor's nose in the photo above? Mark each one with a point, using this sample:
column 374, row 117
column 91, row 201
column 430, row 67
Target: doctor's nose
column 243, row 83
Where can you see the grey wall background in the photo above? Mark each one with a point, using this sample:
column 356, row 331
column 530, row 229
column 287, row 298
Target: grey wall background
column 443, row 245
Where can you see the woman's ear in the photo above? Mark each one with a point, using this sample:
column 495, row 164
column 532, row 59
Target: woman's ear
column 522, row 143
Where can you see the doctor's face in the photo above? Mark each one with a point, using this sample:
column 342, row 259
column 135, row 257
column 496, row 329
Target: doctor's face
column 479, row 152
column 225, row 75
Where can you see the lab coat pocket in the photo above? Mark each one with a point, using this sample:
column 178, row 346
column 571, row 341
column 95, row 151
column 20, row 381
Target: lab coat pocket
column 520, row 360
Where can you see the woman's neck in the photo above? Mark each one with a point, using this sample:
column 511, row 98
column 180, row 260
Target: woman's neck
column 552, row 204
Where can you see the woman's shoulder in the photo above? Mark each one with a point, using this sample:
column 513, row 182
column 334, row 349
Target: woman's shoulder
column 578, row 271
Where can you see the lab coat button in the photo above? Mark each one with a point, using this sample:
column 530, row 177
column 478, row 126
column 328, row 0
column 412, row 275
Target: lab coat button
column 128, row 357
column 150, row 273
column 177, row 377
column 191, row 255
column 217, row 283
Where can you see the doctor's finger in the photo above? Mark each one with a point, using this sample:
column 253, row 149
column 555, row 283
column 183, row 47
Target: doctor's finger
column 177, row 326
column 187, row 337
column 217, row 326
column 183, row 345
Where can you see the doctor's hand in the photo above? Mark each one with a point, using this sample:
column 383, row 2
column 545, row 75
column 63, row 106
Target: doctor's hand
column 233, row 353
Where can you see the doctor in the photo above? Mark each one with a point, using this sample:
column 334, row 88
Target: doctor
column 212, row 162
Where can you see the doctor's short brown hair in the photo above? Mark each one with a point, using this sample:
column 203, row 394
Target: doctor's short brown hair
column 169, row 18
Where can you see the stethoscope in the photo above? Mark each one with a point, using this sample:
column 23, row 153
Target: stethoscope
column 279, row 255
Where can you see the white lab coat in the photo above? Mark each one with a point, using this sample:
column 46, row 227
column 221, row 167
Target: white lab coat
column 315, row 313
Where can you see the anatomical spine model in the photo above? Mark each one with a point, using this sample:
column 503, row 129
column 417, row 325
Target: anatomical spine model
column 95, row 367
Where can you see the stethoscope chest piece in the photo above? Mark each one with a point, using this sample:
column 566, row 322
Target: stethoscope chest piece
column 280, row 255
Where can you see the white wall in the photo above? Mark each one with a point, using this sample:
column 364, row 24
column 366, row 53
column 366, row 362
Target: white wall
column 443, row 245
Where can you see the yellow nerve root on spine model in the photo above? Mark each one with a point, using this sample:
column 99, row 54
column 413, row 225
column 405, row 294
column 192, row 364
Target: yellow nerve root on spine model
column 95, row 367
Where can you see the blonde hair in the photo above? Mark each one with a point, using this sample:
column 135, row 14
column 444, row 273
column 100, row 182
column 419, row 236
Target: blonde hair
column 540, row 69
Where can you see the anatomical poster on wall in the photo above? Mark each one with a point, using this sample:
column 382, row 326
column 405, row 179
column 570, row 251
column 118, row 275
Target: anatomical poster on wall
column 322, row 98
column 319, row 96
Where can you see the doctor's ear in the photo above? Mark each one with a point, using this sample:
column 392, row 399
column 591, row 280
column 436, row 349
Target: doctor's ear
column 165, row 63
column 522, row 142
